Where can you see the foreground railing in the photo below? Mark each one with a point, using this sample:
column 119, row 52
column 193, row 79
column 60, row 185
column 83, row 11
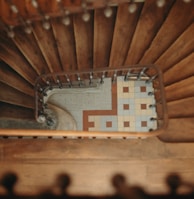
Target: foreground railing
column 147, row 196
column 122, row 189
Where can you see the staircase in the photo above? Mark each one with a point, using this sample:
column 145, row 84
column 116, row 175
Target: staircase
column 151, row 35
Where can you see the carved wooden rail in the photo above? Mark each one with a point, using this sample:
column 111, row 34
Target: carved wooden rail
column 15, row 13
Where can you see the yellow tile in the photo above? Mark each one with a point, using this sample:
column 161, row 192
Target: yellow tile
column 128, row 95
column 91, row 118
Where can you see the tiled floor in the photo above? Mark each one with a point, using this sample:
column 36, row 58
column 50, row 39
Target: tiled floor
column 119, row 106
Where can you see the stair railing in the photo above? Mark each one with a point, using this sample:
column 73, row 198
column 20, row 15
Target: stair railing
column 92, row 78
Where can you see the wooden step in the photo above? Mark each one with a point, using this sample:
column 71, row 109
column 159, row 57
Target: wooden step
column 83, row 36
column 180, row 71
column 10, row 111
column 65, row 45
column 181, row 108
column 46, row 42
column 119, row 50
column 173, row 56
column 15, row 97
column 34, row 55
column 13, row 79
column 10, row 54
column 159, row 45
column 103, row 35
column 180, row 90
column 150, row 20
column 179, row 130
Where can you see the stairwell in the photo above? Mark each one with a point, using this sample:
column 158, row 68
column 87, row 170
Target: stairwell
column 104, row 42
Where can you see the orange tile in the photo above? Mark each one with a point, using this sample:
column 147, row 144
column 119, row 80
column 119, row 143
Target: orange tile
column 85, row 121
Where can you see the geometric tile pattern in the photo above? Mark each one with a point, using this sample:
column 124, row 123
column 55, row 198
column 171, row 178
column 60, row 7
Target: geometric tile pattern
column 130, row 109
column 77, row 100
column 119, row 106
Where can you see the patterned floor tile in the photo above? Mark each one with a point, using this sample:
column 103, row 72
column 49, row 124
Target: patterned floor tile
column 122, row 106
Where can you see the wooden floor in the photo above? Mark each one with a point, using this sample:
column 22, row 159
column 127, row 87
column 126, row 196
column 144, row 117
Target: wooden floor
column 91, row 163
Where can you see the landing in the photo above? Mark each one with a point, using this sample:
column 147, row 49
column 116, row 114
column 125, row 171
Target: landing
column 118, row 106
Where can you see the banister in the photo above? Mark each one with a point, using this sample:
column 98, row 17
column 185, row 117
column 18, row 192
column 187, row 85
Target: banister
column 47, row 82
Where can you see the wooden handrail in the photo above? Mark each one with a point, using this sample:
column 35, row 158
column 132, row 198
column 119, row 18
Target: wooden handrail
column 42, row 80
column 53, row 9
column 83, row 134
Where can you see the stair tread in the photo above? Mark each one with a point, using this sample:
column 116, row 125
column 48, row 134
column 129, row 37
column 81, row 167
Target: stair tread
column 181, row 108
column 179, row 130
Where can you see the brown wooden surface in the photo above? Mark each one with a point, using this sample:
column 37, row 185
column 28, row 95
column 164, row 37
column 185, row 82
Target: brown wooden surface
column 92, row 163
column 44, row 133
column 124, row 29
column 178, row 130
column 13, row 57
column 149, row 22
column 13, row 96
column 103, row 34
column 84, row 41
column 65, row 44
column 180, row 90
column 180, row 71
column 11, row 78
column 26, row 9
column 167, row 34
column 178, row 50
column 30, row 49
column 12, row 112
column 181, row 108
column 47, row 44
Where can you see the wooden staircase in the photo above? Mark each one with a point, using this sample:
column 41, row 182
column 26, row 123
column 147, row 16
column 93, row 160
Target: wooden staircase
column 151, row 35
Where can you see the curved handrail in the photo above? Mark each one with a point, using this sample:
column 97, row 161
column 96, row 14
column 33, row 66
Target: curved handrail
column 42, row 86
column 77, row 134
